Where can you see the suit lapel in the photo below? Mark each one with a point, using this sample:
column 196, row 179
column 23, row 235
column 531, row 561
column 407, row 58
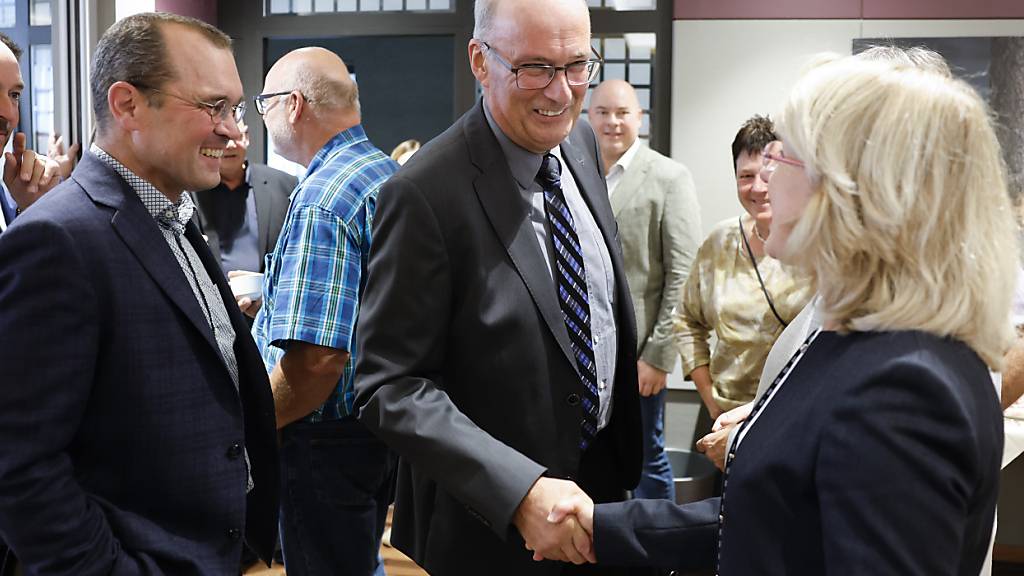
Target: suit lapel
column 629, row 187
column 508, row 212
column 140, row 233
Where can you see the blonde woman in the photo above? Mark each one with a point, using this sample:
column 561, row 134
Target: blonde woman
column 877, row 448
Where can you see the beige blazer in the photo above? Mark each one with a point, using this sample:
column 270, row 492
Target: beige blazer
column 659, row 226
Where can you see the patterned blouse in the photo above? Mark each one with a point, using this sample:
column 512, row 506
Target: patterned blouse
column 722, row 294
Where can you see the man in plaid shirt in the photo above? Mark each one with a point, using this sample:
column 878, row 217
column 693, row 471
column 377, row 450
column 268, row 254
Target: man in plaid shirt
column 336, row 482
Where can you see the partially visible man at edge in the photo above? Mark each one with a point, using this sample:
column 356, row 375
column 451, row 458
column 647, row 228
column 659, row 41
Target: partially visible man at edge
column 27, row 175
column 497, row 339
column 337, row 475
column 136, row 420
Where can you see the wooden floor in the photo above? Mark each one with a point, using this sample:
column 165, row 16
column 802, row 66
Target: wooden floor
column 395, row 563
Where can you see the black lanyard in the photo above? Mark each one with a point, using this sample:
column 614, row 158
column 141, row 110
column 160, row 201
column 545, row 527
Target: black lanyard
column 753, row 262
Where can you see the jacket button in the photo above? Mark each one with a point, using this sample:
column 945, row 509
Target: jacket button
column 234, row 451
column 573, row 399
column 234, row 533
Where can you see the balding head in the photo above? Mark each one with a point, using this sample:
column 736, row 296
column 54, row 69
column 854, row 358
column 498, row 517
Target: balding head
column 320, row 75
column 616, row 116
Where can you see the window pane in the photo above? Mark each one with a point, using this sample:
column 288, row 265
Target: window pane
column 40, row 13
column 302, row 6
column 393, row 5
column 280, row 7
column 416, row 4
column 42, row 95
column 440, row 5
column 640, row 74
column 347, row 6
column 615, row 48
column 323, row 6
column 369, row 5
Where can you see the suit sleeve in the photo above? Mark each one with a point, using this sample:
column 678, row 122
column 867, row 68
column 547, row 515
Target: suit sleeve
column 657, row 533
column 895, row 476
column 402, row 331
column 49, row 320
column 680, row 237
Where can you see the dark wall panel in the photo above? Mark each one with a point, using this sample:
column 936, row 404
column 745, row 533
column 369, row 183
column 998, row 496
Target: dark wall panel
column 405, row 82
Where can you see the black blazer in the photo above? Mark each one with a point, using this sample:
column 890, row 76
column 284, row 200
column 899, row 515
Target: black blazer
column 464, row 365
column 272, row 190
column 879, row 455
column 120, row 427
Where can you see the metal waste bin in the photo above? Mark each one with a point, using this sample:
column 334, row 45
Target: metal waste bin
column 693, row 475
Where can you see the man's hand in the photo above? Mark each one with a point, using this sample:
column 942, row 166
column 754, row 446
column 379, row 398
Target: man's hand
column 582, row 508
column 732, row 417
column 566, row 540
column 28, row 175
column 652, row 380
column 248, row 306
column 65, row 160
column 713, row 446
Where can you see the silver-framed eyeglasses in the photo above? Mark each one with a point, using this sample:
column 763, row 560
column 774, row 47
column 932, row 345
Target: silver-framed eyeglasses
column 261, row 101
column 538, row 76
column 219, row 111
column 772, row 156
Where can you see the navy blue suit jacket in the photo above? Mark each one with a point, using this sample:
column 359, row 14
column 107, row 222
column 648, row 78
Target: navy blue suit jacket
column 120, row 427
column 879, row 455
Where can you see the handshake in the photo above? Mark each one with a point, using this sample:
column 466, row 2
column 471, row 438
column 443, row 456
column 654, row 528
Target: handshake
column 556, row 519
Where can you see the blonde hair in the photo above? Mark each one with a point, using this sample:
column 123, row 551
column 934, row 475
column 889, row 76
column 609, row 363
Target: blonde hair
column 910, row 226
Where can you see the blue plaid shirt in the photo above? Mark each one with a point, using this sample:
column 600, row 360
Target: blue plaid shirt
column 314, row 275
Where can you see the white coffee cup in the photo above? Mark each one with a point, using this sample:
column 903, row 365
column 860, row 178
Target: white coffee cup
column 247, row 285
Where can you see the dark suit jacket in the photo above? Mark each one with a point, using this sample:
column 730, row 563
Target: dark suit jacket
column 465, row 366
column 272, row 189
column 120, row 427
column 879, row 455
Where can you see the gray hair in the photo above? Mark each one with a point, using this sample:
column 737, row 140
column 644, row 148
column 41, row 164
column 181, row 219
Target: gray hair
column 483, row 17
column 324, row 92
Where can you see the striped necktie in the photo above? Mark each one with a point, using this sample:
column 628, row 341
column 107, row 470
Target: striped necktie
column 571, row 281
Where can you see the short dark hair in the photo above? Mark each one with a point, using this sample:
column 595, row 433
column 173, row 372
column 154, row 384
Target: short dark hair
column 134, row 50
column 12, row 45
column 753, row 136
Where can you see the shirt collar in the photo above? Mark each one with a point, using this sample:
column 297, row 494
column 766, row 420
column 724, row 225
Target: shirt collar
column 627, row 157
column 170, row 215
column 523, row 163
column 335, row 145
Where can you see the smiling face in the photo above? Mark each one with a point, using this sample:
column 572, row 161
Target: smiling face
column 751, row 189
column 552, row 32
column 616, row 116
column 178, row 145
column 234, row 154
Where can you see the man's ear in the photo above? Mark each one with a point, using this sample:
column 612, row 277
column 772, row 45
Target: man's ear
column 124, row 102
column 296, row 104
column 478, row 61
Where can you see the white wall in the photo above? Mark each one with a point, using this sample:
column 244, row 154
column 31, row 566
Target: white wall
column 728, row 70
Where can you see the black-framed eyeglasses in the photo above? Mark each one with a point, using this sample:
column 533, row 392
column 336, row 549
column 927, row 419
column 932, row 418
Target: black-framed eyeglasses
column 261, row 100
column 219, row 111
column 537, row 76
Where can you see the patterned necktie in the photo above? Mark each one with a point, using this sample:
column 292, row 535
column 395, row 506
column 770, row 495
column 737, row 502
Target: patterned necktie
column 571, row 280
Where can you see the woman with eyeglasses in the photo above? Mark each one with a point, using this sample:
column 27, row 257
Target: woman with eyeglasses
column 877, row 448
column 735, row 291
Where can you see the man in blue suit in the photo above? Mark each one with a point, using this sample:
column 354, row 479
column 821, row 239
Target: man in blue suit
column 136, row 420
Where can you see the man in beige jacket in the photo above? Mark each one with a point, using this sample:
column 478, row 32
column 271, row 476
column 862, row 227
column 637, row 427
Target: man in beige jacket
column 654, row 202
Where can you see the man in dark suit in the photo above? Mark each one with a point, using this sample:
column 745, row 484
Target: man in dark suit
column 242, row 216
column 136, row 420
column 497, row 339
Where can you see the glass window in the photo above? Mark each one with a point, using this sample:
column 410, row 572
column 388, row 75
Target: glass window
column 42, row 96
column 624, row 4
column 321, row 6
column 41, row 13
column 629, row 57
column 7, row 14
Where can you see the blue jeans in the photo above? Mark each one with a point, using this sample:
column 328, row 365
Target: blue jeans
column 337, row 482
column 656, row 479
